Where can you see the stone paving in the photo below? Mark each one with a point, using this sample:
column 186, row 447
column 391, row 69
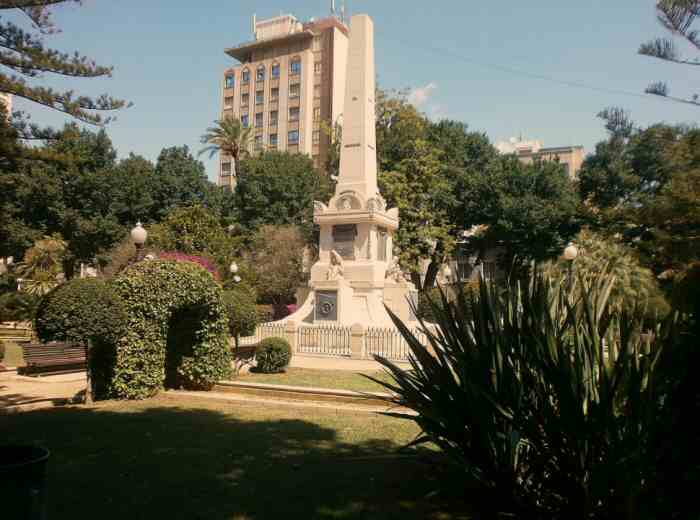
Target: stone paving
column 36, row 392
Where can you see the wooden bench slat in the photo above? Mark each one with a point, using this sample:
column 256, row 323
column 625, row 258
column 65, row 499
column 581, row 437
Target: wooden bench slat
column 54, row 355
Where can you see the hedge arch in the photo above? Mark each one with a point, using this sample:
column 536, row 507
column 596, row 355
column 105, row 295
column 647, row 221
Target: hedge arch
column 176, row 332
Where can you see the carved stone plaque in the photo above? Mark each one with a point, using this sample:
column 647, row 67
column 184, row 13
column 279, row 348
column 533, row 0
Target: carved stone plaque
column 344, row 240
column 326, row 306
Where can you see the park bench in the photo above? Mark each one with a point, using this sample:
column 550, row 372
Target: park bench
column 54, row 358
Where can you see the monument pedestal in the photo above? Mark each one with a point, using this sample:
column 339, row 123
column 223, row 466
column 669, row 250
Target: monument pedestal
column 356, row 273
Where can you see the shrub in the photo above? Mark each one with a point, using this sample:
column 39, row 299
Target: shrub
column 17, row 306
column 200, row 260
column 273, row 355
column 176, row 334
column 81, row 310
column 563, row 438
column 242, row 312
column 2, row 350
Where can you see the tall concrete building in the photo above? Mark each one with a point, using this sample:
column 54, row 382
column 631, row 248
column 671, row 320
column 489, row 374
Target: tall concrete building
column 571, row 157
column 290, row 81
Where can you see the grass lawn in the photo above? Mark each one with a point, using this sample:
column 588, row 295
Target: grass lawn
column 13, row 355
column 192, row 458
column 336, row 379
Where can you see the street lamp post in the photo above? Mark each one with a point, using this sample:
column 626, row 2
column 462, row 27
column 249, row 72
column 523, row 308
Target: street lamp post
column 570, row 254
column 139, row 236
column 233, row 269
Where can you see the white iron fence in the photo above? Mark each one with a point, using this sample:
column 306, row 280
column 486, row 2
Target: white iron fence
column 339, row 340
column 332, row 340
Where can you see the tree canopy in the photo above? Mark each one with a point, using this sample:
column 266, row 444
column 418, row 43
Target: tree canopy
column 278, row 188
column 25, row 58
column 74, row 186
column 645, row 186
column 678, row 17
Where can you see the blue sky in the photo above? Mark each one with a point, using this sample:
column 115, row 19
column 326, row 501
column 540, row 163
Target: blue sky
column 168, row 58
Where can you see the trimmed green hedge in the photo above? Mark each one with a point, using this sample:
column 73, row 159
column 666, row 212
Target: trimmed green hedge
column 242, row 312
column 176, row 333
column 81, row 310
column 273, row 355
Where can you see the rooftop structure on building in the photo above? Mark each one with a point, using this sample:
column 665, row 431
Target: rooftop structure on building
column 288, row 86
column 571, row 157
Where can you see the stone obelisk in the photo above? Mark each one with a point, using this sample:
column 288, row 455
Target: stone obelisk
column 358, row 155
column 356, row 274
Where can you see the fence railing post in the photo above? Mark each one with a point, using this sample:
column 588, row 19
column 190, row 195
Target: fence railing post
column 290, row 331
column 357, row 341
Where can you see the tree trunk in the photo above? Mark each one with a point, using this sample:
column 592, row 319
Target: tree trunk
column 416, row 279
column 88, row 376
column 431, row 274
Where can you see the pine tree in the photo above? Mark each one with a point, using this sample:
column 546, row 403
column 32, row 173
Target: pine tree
column 678, row 17
column 25, row 59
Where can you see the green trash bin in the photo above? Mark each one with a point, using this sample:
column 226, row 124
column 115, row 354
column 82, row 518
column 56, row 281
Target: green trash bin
column 23, row 482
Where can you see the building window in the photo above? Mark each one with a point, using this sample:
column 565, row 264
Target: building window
column 294, row 114
column 273, row 140
column 317, row 114
column 230, row 81
column 318, row 67
column 245, row 76
column 228, row 101
column 260, row 73
column 275, row 70
column 244, row 121
column 258, row 120
column 244, row 100
column 293, row 137
column 316, row 44
column 295, row 66
column 317, row 91
column 225, row 169
column 258, row 142
column 294, row 90
column 274, row 94
column 259, row 97
column 274, row 117
column 317, row 136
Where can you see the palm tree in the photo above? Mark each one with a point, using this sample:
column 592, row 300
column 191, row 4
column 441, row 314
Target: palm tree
column 227, row 137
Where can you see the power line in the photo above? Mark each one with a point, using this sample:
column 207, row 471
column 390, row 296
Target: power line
column 534, row 75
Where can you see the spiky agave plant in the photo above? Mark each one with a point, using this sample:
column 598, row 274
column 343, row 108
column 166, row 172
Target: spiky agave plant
column 543, row 399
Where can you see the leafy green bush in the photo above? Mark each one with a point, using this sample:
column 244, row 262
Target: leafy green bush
column 544, row 396
column 177, row 327
column 273, row 355
column 2, row 350
column 81, row 310
column 17, row 306
column 242, row 312
column 635, row 285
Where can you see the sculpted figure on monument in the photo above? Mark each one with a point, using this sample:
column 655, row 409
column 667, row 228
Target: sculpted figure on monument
column 335, row 270
column 394, row 272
